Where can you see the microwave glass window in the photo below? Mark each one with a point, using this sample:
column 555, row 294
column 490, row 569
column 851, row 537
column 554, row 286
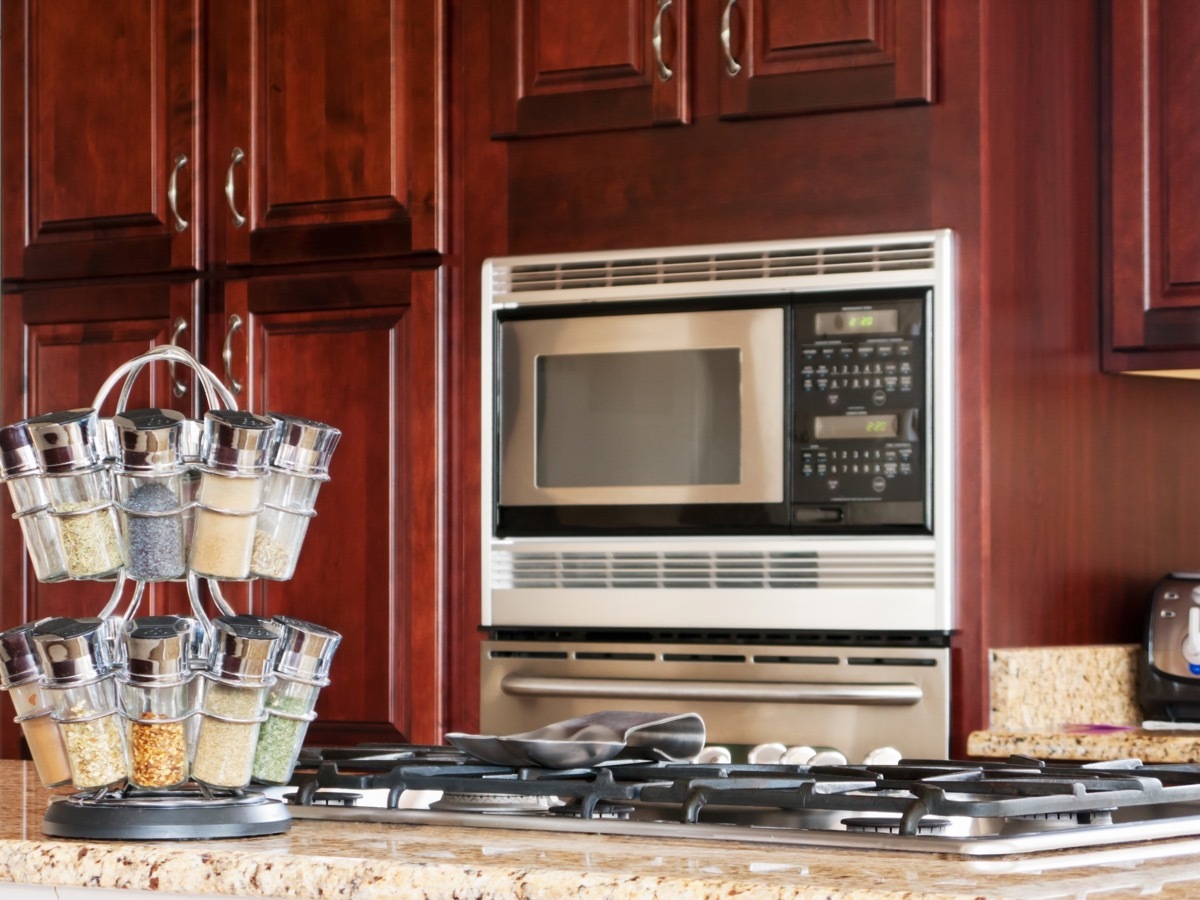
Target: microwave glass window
column 664, row 417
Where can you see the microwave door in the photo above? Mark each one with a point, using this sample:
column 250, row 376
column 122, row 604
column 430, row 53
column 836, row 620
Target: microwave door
column 670, row 409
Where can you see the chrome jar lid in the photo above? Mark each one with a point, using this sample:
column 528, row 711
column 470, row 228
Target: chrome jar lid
column 243, row 649
column 67, row 441
column 236, row 442
column 302, row 445
column 18, row 659
column 306, row 650
column 149, row 440
column 72, row 651
column 17, row 454
column 158, row 649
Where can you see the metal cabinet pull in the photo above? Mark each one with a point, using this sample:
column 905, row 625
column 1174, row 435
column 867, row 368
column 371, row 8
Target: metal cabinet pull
column 181, row 223
column 731, row 64
column 179, row 387
column 899, row 694
column 236, row 157
column 235, row 324
column 664, row 72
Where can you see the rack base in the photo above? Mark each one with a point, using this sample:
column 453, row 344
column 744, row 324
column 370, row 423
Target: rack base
column 165, row 816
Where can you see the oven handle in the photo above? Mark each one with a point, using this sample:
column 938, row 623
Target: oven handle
column 902, row 694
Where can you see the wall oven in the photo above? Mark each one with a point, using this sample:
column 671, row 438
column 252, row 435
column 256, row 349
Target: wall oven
column 720, row 479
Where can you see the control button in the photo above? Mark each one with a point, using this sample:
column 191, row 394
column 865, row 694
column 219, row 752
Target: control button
column 885, row 350
column 822, row 370
column 890, row 369
column 906, row 384
column 822, row 384
column 905, row 368
column 904, row 349
column 879, row 484
column 809, row 353
column 827, row 352
column 865, row 350
column 845, row 352
column 807, row 370
column 879, row 397
column 905, row 469
column 808, row 384
column 834, row 398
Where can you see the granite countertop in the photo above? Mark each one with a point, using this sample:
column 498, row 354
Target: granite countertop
column 361, row 860
column 1074, row 703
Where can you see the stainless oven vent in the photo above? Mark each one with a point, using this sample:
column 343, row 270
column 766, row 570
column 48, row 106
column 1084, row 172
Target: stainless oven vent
column 787, row 570
column 731, row 268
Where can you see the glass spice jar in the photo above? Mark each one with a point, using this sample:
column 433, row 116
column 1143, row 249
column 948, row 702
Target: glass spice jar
column 75, row 658
column 156, row 699
column 302, row 669
column 235, row 447
column 149, row 476
column 20, row 676
column 21, row 471
column 234, row 686
column 299, row 465
column 79, row 491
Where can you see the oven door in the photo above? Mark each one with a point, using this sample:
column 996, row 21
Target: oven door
column 641, row 421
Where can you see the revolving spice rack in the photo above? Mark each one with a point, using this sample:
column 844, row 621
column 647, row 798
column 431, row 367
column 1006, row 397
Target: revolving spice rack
column 164, row 724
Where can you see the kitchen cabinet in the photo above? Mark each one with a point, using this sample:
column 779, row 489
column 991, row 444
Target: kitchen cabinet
column 313, row 137
column 563, row 68
column 1152, row 299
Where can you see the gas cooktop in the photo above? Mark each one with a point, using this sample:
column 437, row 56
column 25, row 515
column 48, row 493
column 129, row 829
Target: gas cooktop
column 1017, row 806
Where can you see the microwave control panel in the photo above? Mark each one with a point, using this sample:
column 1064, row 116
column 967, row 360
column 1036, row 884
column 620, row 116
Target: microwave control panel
column 859, row 398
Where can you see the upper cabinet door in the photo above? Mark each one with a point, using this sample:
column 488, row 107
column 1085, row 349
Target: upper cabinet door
column 573, row 67
column 99, row 137
column 323, row 129
column 796, row 56
column 1153, row 180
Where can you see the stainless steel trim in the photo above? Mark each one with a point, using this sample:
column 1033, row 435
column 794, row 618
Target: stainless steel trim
column 664, row 72
column 731, row 64
column 757, row 333
column 173, row 193
column 769, row 692
column 234, row 158
column 179, row 387
column 235, row 323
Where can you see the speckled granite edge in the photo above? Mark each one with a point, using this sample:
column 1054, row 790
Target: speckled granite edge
column 1043, row 689
column 1148, row 746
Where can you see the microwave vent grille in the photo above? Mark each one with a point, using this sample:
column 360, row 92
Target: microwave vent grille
column 731, row 268
column 786, row 570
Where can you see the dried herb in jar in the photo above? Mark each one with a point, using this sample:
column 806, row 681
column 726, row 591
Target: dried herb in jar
column 271, row 558
column 279, row 738
column 95, row 749
column 89, row 539
column 158, row 753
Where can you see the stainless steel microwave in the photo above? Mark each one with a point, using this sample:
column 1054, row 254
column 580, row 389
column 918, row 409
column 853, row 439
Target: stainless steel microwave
column 773, row 407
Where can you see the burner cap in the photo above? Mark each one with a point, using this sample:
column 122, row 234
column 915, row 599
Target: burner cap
column 891, row 824
column 493, row 803
column 1053, row 821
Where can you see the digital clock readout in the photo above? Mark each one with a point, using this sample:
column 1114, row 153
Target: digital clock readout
column 868, row 321
column 847, row 427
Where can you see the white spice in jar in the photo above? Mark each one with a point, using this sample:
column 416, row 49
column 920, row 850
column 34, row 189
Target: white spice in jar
column 271, row 558
column 225, row 750
column 95, row 749
column 222, row 544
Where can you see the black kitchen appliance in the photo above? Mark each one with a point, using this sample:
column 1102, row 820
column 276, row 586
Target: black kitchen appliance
column 1169, row 665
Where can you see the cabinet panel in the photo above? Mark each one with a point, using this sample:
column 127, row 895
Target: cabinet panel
column 326, row 136
column 1153, row 180
column 572, row 67
column 355, row 351
column 782, row 56
column 98, row 124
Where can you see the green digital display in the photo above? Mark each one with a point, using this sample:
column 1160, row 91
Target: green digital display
column 865, row 321
column 849, row 427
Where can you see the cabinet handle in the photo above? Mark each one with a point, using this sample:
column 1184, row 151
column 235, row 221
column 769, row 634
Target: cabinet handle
column 236, row 157
column 181, row 223
column 731, row 64
column 664, row 73
column 235, row 324
column 178, row 386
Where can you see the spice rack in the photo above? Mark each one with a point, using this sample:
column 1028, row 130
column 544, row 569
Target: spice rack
column 165, row 726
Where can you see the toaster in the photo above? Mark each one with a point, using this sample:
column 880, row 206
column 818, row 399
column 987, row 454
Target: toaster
column 1169, row 664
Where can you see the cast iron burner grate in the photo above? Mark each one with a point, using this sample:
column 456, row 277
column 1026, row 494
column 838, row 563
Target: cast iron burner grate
column 911, row 792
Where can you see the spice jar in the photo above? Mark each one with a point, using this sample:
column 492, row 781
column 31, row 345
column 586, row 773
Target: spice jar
column 20, row 469
column 75, row 658
column 234, row 686
column 20, row 675
column 306, row 651
column 79, row 492
column 235, row 447
column 156, row 699
column 299, row 465
column 149, row 478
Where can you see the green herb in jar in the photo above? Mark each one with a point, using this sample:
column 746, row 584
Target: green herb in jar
column 279, row 738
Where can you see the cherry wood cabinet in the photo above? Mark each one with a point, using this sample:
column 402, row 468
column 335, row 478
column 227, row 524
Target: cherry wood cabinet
column 1152, row 298
column 314, row 136
column 562, row 68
